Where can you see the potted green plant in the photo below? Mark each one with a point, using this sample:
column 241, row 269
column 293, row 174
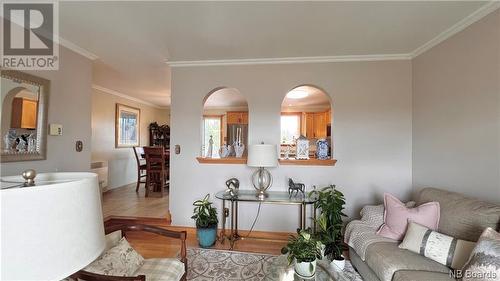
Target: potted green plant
column 331, row 205
column 303, row 250
column 205, row 216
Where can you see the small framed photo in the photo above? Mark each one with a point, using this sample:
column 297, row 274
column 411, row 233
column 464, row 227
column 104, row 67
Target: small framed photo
column 127, row 122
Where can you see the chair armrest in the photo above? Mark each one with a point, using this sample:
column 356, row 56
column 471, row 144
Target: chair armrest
column 147, row 228
column 89, row 276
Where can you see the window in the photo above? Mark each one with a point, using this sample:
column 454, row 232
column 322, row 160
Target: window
column 212, row 126
column 290, row 127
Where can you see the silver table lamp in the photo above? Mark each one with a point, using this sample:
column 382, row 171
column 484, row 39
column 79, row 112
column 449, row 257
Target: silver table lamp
column 262, row 156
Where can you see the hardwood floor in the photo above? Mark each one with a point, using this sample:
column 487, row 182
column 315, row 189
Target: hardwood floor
column 124, row 204
column 124, row 201
column 153, row 246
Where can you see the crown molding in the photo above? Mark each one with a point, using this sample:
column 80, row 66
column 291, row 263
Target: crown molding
column 287, row 60
column 122, row 95
column 480, row 13
column 77, row 49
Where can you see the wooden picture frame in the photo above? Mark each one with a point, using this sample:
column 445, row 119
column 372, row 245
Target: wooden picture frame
column 127, row 126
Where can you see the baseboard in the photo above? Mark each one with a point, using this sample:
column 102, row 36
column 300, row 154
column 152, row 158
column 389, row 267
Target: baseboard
column 166, row 223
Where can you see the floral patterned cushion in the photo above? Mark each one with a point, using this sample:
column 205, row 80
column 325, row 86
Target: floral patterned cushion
column 121, row 260
column 161, row 269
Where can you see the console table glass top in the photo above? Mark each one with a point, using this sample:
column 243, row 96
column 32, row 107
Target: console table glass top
column 275, row 197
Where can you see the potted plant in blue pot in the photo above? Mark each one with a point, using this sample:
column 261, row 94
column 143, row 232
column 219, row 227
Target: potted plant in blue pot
column 205, row 216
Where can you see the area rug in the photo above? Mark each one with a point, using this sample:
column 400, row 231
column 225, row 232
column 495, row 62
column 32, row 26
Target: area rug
column 220, row 265
column 208, row 264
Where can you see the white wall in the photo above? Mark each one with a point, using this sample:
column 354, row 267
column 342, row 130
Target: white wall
column 456, row 112
column 371, row 133
column 69, row 105
column 122, row 166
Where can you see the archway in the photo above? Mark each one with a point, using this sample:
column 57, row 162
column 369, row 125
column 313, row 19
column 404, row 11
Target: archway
column 306, row 114
column 224, row 123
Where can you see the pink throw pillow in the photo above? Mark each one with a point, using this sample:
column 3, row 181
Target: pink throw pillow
column 397, row 215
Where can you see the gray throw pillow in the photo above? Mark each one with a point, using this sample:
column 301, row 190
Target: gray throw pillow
column 484, row 262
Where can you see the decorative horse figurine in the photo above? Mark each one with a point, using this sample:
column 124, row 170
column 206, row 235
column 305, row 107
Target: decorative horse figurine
column 295, row 187
column 233, row 184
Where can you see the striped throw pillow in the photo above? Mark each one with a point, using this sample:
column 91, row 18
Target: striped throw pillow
column 436, row 246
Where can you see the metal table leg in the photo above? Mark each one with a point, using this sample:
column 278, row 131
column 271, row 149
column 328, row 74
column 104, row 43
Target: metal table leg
column 222, row 236
column 237, row 236
column 314, row 218
column 303, row 216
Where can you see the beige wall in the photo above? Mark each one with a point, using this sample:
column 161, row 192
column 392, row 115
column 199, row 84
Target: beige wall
column 122, row 166
column 69, row 105
column 456, row 112
column 371, row 133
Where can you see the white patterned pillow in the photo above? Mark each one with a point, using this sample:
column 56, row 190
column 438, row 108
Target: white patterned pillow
column 484, row 262
column 120, row 260
column 436, row 246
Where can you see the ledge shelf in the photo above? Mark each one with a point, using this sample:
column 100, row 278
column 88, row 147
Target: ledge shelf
column 243, row 160
column 308, row 162
column 228, row 160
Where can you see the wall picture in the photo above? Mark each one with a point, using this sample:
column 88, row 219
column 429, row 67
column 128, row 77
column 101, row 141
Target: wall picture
column 127, row 126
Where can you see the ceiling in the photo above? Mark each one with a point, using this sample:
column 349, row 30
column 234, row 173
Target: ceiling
column 133, row 40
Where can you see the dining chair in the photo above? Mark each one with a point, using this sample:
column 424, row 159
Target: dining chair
column 156, row 171
column 141, row 166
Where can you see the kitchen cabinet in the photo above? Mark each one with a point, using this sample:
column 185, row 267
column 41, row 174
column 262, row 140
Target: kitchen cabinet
column 309, row 125
column 24, row 113
column 237, row 117
column 316, row 125
column 320, row 125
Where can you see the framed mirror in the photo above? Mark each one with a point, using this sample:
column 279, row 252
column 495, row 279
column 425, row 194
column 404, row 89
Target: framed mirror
column 24, row 116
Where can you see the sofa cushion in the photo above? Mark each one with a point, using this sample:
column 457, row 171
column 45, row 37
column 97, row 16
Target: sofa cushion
column 484, row 263
column 438, row 247
column 120, row 260
column 413, row 275
column 396, row 216
column 461, row 217
column 112, row 239
column 161, row 269
column 385, row 258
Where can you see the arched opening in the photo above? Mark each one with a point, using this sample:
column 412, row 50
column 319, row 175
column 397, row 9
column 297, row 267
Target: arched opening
column 306, row 118
column 20, row 110
column 225, row 124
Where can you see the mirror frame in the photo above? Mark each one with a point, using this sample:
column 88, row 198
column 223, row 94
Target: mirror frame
column 41, row 133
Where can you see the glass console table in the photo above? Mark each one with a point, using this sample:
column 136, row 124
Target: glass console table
column 273, row 197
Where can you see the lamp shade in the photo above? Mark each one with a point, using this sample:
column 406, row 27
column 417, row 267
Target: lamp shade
column 262, row 155
column 53, row 229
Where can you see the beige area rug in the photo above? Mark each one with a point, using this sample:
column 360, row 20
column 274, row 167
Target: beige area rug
column 220, row 265
column 208, row 264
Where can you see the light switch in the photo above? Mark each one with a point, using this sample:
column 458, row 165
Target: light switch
column 55, row 129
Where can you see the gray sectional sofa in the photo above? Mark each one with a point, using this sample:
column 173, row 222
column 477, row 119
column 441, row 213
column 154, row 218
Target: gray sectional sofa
column 461, row 217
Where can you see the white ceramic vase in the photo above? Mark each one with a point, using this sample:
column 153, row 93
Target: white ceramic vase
column 338, row 264
column 305, row 269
